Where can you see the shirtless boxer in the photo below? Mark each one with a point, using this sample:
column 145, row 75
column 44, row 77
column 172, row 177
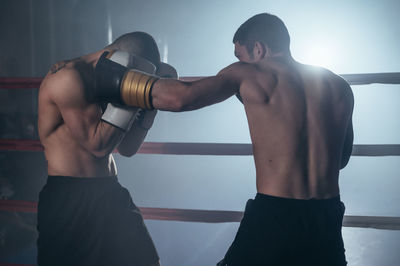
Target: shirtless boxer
column 85, row 217
column 300, row 121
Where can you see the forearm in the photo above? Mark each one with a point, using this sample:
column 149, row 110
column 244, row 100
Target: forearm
column 103, row 139
column 179, row 96
column 84, row 123
column 170, row 94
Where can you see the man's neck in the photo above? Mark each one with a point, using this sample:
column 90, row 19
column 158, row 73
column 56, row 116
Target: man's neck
column 280, row 56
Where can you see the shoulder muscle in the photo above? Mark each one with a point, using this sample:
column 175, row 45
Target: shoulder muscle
column 64, row 87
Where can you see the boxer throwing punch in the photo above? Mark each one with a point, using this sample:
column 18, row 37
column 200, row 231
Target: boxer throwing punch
column 300, row 121
column 85, row 217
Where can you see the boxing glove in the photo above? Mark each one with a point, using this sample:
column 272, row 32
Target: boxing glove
column 115, row 114
column 119, row 84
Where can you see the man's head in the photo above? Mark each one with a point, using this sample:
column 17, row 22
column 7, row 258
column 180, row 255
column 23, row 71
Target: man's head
column 260, row 35
column 139, row 43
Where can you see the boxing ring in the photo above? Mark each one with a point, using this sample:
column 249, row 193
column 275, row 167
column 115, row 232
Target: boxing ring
column 216, row 149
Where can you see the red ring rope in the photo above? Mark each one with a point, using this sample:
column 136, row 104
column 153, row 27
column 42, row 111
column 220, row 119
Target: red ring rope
column 352, row 79
column 213, row 216
column 201, row 148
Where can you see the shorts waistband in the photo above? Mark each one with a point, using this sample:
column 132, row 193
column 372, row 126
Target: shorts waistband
column 289, row 201
column 80, row 180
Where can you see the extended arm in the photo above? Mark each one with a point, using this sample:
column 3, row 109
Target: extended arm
column 178, row 96
column 135, row 88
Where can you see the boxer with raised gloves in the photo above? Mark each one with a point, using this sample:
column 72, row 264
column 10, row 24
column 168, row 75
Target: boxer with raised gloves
column 79, row 136
column 119, row 84
column 115, row 114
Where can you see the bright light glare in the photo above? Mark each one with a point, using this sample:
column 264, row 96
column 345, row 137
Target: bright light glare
column 165, row 52
column 319, row 53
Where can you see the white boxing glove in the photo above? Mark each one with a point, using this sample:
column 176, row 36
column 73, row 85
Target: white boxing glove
column 123, row 116
column 120, row 116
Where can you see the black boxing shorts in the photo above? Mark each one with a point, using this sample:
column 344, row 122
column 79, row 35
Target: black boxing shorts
column 91, row 221
column 289, row 232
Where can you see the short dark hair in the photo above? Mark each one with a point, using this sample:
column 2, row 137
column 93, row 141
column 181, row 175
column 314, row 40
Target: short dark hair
column 139, row 43
column 265, row 28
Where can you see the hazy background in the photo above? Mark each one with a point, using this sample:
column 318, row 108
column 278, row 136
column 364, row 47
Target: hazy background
column 196, row 37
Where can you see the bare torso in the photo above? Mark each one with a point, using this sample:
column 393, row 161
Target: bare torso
column 69, row 125
column 300, row 120
column 298, row 117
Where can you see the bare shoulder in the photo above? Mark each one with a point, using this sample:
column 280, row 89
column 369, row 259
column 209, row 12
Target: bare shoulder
column 339, row 84
column 330, row 77
column 239, row 71
column 236, row 68
column 63, row 81
column 59, row 66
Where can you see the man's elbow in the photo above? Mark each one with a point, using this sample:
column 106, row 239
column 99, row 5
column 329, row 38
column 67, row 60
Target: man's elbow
column 344, row 163
column 345, row 158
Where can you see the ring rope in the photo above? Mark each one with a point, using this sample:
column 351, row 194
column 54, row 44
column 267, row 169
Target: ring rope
column 20, row 83
column 15, row 264
column 352, row 79
column 214, row 216
column 182, row 148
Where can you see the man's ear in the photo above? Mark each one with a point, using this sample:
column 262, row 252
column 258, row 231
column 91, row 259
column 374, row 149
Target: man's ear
column 260, row 51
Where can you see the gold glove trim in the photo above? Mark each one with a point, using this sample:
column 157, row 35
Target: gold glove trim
column 136, row 89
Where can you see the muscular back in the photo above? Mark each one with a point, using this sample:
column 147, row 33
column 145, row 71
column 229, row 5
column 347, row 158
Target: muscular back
column 299, row 118
column 77, row 143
